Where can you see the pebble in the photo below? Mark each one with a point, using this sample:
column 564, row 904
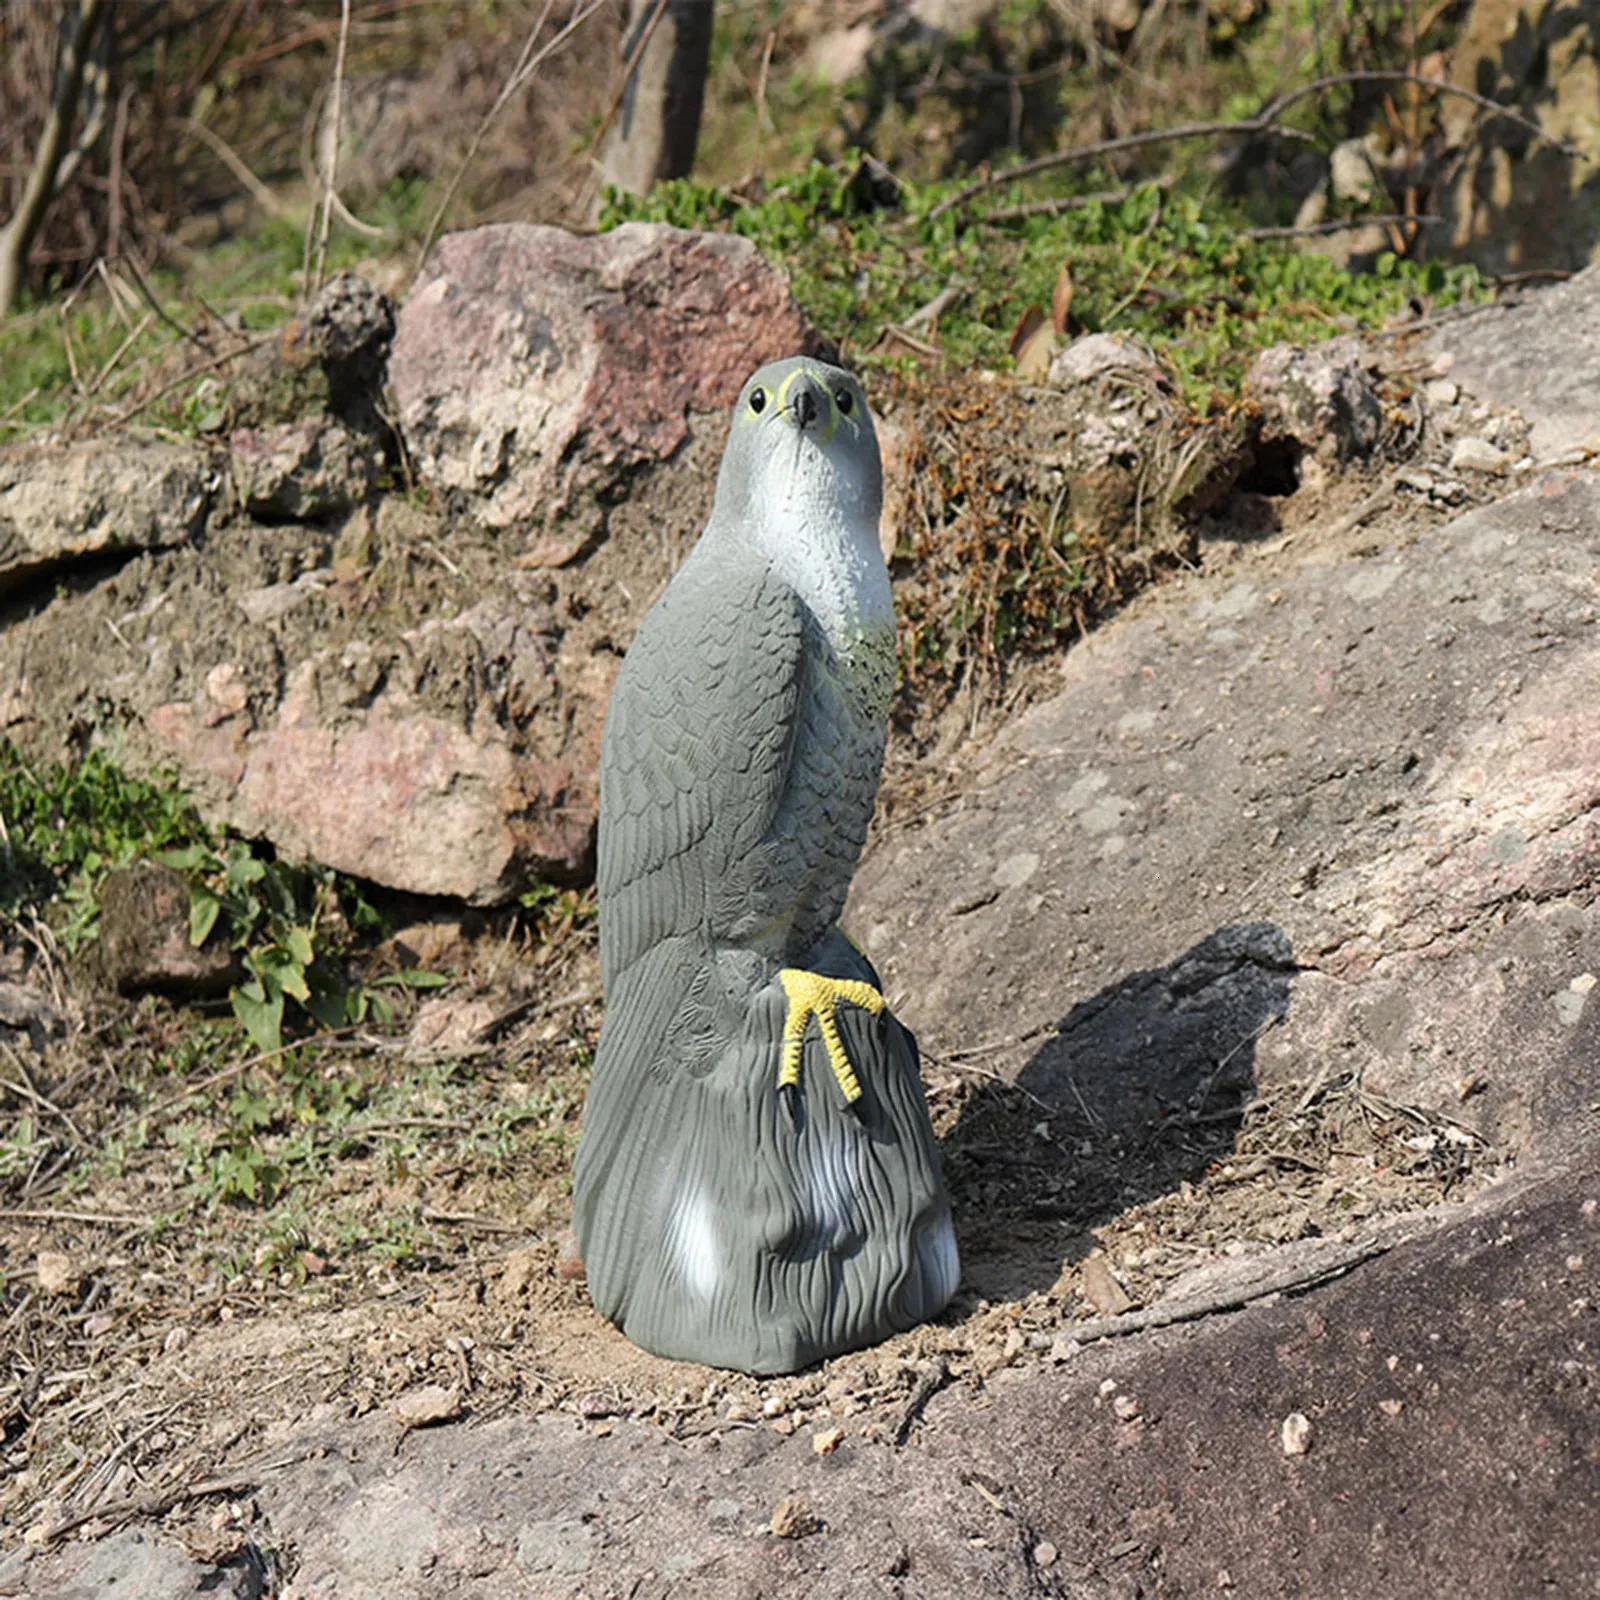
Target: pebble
column 1126, row 1407
column 431, row 1403
column 1100, row 1287
column 1478, row 455
column 1044, row 1554
column 826, row 1440
column 792, row 1519
column 58, row 1274
column 1442, row 392
column 1296, row 1434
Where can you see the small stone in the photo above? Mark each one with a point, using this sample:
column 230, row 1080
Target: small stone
column 792, row 1519
column 774, row 1406
column 1296, row 1434
column 783, row 1426
column 1391, row 1408
column 1478, row 455
column 826, row 1441
column 416, row 1408
column 520, row 1269
column 1442, row 392
column 1100, row 1287
column 176, row 1339
column 100, row 1324
column 1126, row 1407
column 1044, row 1554
column 58, row 1274
column 595, row 1404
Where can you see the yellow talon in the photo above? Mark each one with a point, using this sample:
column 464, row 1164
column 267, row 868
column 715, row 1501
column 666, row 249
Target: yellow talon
column 811, row 995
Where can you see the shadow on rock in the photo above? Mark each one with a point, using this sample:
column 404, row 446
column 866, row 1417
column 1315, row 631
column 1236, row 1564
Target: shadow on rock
column 1138, row 1090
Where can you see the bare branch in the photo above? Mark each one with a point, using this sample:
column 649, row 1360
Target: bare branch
column 78, row 31
column 231, row 159
column 528, row 62
column 1265, row 121
column 97, row 80
column 1316, row 230
column 330, row 177
column 1108, row 147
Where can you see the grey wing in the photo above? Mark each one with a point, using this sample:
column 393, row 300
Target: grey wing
column 694, row 763
column 695, row 759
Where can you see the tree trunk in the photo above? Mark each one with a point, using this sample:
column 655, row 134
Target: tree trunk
column 659, row 123
column 53, row 163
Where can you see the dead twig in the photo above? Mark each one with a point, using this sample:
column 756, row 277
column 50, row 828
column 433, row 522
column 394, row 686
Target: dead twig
column 761, row 98
column 933, row 1379
column 98, row 1218
column 925, row 316
column 528, row 62
column 231, row 159
column 225, row 1075
column 1303, row 1275
column 146, row 1507
column 1054, row 208
column 330, row 177
column 1316, row 230
column 466, row 1219
column 194, row 372
column 629, row 66
column 1369, row 508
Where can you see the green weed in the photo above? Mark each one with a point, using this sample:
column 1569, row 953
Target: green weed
column 70, row 825
column 1175, row 270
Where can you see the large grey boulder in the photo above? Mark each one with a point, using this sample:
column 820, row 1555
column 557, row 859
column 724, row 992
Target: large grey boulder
column 1382, row 758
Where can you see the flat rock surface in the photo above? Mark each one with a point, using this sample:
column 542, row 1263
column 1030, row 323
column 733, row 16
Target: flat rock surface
column 1353, row 782
column 1541, row 356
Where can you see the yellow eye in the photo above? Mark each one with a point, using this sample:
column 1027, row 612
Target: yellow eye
column 758, row 401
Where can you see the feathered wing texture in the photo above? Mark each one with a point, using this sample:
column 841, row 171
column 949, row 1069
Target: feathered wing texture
column 721, row 1219
column 695, row 756
column 694, row 761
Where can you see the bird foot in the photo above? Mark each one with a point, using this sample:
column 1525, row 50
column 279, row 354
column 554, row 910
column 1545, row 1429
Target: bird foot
column 812, row 995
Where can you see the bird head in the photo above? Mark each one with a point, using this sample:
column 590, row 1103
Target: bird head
column 801, row 452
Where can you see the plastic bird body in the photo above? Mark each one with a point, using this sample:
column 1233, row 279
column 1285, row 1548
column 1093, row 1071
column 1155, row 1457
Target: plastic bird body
column 757, row 1185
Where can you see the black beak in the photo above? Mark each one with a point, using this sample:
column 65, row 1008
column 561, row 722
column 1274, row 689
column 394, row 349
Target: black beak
column 804, row 404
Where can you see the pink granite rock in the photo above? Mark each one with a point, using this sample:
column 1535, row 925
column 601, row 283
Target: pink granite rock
column 534, row 368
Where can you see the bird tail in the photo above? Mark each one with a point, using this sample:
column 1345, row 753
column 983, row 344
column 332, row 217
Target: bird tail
column 724, row 1220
